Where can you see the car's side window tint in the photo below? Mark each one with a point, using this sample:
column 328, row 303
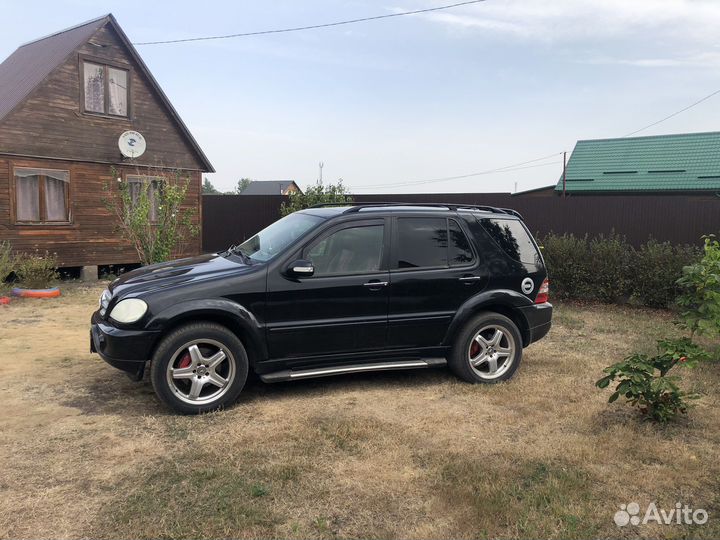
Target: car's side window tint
column 422, row 243
column 460, row 250
column 354, row 250
column 513, row 239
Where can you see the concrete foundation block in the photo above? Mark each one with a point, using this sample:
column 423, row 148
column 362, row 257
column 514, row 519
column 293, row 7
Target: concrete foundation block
column 89, row 273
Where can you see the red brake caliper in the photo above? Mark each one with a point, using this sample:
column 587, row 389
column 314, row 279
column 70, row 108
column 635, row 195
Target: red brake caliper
column 474, row 349
column 185, row 361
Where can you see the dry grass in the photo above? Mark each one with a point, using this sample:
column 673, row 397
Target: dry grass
column 87, row 453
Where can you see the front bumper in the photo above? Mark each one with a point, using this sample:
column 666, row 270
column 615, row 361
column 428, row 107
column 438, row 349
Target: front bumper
column 123, row 349
column 539, row 318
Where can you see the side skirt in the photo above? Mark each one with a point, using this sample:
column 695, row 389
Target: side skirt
column 296, row 374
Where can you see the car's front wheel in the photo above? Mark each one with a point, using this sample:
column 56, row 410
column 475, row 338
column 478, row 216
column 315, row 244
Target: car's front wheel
column 487, row 350
column 199, row 367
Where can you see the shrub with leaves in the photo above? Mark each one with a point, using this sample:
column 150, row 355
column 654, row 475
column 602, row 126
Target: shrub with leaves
column 608, row 269
column 151, row 216
column 566, row 258
column 610, row 272
column 36, row 270
column 317, row 194
column 656, row 267
column 644, row 381
column 700, row 298
column 7, row 264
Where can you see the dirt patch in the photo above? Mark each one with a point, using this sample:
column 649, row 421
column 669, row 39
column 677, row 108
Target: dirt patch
column 86, row 452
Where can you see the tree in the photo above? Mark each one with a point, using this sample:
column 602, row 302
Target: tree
column 242, row 185
column 149, row 213
column 208, row 188
column 318, row 194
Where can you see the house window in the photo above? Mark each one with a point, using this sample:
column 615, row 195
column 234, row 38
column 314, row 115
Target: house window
column 105, row 89
column 152, row 186
column 42, row 195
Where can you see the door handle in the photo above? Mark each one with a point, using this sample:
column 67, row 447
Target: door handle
column 469, row 279
column 372, row 284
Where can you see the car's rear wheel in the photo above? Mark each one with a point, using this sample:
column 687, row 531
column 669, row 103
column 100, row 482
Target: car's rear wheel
column 199, row 368
column 487, row 350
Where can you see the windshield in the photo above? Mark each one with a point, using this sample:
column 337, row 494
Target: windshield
column 276, row 237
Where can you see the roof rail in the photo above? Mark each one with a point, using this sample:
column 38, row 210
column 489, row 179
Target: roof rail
column 357, row 206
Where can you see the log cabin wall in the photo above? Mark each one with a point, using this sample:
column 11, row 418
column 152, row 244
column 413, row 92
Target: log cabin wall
column 50, row 129
column 91, row 237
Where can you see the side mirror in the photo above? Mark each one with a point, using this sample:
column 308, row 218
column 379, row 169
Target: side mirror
column 301, row 268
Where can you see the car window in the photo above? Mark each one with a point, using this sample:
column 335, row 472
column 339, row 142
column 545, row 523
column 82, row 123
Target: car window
column 276, row 237
column 460, row 250
column 354, row 250
column 513, row 239
column 422, row 243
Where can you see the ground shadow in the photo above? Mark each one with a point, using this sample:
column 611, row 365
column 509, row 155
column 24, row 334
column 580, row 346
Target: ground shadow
column 109, row 391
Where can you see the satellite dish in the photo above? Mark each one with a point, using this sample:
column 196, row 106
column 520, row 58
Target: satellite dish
column 131, row 144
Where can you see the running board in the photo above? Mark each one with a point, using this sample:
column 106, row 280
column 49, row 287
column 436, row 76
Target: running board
column 292, row 374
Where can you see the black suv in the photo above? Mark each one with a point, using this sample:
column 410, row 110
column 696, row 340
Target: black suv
column 330, row 290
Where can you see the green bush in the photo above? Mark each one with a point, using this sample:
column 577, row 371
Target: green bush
column 36, row 270
column 7, row 263
column 317, row 194
column 700, row 298
column 608, row 269
column 566, row 258
column 656, row 268
column 644, row 381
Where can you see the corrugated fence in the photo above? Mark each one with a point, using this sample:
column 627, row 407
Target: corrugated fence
column 228, row 219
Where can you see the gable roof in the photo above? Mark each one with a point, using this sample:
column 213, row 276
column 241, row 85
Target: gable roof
column 679, row 162
column 268, row 187
column 23, row 71
column 32, row 62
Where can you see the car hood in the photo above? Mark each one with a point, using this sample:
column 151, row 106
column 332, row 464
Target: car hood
column 173, row 273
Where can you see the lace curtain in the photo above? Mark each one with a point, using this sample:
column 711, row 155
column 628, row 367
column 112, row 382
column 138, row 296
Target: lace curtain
column 118, row 91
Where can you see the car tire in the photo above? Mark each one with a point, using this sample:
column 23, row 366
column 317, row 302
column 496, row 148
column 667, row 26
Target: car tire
column 199, row 367
column 488, row 349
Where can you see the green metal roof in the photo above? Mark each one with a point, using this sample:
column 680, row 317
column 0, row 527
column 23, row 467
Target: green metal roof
column 682, row 162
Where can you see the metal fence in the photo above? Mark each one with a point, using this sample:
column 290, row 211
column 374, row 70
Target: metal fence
column 679, row 219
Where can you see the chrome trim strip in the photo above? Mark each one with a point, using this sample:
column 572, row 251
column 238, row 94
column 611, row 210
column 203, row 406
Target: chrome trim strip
column 354, row 369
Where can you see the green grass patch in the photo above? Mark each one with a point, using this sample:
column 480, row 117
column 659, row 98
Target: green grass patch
column 195, row 496
column 496, row 498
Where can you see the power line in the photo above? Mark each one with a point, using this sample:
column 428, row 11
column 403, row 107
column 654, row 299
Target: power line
column 674, row 114
column 313, row 26
column 507, row 168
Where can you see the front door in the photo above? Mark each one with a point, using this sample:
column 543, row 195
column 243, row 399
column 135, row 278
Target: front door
column 342, row 307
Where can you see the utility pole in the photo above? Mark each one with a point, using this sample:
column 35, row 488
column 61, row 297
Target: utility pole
column 320, row 166
column 564, row 173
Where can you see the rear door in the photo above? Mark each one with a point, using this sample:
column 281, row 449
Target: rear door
column 434, row 269
column 342, row 307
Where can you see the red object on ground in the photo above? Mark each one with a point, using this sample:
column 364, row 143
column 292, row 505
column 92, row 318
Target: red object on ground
column 37, row 293
column 4, row 299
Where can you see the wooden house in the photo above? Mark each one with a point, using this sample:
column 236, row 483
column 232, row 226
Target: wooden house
column 65, row 101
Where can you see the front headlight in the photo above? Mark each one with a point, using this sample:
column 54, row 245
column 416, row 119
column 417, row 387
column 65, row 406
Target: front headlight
column 104, row 301
column 128, row 311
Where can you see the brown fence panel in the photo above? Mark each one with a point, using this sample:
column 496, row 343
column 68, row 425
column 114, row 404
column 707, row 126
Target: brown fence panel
column 674, row 218
column 230, row 219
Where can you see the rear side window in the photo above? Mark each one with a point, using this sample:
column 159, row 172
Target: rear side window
column 460, row 250
column 422, row 243
column 513, row 239
column 431, row 243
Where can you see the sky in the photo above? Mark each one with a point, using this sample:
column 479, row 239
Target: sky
column 394, row 105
